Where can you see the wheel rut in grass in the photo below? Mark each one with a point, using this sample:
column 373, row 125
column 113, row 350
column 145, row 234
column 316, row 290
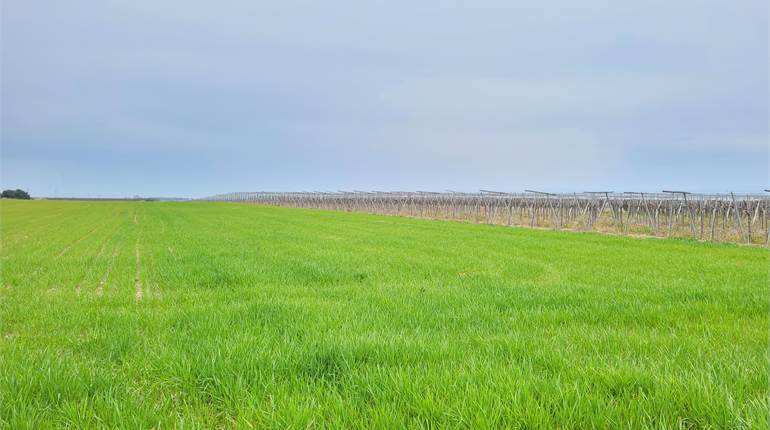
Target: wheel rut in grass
column 82, row 238
column 42, row 268
column 139, row 294
column 78, row 286
column 101, row 246
column 103, row 281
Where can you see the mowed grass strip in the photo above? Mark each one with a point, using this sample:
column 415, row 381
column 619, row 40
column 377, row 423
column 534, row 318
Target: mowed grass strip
column 285, row 318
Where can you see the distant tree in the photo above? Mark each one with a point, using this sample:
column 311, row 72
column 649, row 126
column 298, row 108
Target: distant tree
column 15, row 194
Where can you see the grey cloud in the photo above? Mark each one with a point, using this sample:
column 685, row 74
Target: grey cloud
column 201, row 97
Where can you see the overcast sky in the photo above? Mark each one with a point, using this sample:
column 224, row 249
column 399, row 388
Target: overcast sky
column 192, row 98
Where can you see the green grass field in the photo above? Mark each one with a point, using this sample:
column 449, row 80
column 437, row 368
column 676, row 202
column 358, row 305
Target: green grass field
column 202, row 315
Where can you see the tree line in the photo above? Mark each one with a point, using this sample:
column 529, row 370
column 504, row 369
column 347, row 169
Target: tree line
column 15, row 194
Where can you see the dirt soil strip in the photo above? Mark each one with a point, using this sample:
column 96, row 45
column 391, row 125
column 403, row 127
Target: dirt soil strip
column 103, row 282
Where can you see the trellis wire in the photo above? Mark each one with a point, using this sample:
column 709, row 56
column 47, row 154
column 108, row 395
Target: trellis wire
column 741, row 218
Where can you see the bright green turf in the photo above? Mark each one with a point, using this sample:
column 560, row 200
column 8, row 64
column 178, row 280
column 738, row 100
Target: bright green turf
column 270, row 317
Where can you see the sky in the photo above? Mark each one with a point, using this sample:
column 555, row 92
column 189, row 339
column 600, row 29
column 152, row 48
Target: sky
column 191, row 98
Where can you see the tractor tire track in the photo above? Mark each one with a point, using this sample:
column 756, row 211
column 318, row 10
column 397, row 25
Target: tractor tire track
column 101, row 245
column 105, row 277
column 82, row 238
column 61, row 253
column 139, row 294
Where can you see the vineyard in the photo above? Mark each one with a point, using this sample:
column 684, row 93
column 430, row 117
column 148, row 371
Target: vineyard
column 715, row 217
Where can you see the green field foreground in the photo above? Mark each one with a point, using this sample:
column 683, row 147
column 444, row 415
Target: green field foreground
column 201, row 315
